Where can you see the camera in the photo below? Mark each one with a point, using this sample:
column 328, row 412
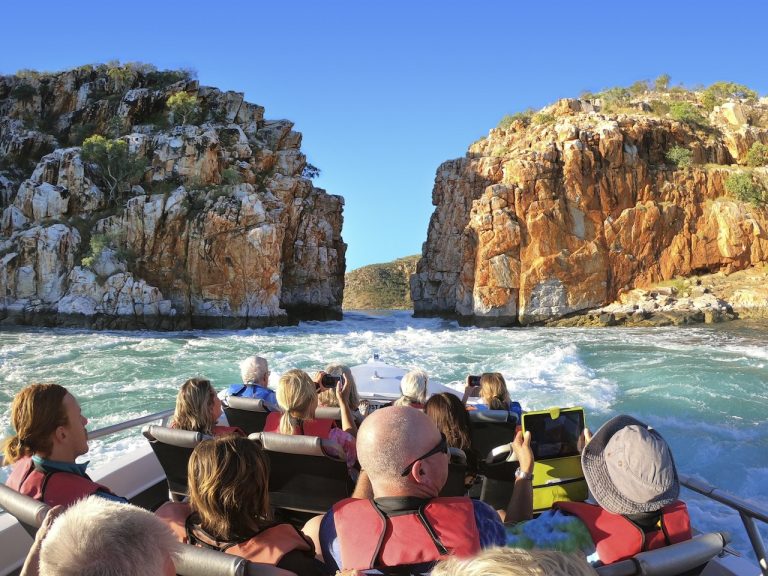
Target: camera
column 474, row 380
column 330, row 381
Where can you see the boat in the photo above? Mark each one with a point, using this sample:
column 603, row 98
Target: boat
column 139, row 476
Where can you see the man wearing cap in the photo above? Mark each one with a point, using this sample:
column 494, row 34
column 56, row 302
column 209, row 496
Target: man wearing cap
column 632, row 477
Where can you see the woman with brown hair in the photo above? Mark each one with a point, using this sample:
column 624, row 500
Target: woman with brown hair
column 50, row 435
column 228, row 508
column 198, row 408
column 450, row 417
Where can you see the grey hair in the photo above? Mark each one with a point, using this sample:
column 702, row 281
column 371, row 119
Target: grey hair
column 413, row 388
column 100, row 537
column 253, row 369
column 516, row 562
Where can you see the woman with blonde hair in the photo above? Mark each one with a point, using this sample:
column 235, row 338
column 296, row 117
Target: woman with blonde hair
column 228, row 508
column 198, row 408
column 413, row 389
column 328, row 397
column 493, row 394
column 297, row 398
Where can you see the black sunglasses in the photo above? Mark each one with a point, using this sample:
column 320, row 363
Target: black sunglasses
column 442, row 446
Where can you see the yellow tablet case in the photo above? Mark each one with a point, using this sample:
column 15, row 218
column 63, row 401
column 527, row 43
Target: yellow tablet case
column 557, row 479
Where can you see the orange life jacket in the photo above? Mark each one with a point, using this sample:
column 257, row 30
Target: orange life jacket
column 370, row 538
column 221, row 430
column 268, row 546
column 320, row 427
column 617, row 538
column 54, row 487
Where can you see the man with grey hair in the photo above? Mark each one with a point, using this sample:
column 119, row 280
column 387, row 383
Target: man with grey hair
column 254, row 371
column 406, row 524
column 94, row 537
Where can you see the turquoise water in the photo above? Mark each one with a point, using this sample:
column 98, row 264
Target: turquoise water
column 703, row 388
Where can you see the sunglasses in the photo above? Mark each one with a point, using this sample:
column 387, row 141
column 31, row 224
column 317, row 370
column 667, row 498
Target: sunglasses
column 442, row 446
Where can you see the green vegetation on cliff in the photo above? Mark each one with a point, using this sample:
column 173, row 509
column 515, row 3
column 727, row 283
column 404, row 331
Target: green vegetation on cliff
column 380, row 286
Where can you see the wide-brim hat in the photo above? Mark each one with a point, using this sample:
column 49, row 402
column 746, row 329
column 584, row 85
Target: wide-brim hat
column 629, row 467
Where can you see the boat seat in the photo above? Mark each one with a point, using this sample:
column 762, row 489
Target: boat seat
column 334, row 413
column 248, row 414
column 680, row 558
column 457, row 473
column 173, row 448
column 190, row 560
column 491, row 428
column 28, row 511
column 194, row 561
column 303, row 477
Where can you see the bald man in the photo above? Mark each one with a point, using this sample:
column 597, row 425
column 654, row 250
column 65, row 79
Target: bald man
column 405, row 458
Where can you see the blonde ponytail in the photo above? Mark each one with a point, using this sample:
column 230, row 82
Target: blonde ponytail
column 297, row 397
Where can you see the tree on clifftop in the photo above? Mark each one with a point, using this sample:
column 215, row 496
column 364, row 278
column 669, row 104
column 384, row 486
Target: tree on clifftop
column 183, row 106
column 119, row 168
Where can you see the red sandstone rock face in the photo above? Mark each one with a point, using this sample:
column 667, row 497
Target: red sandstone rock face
column 539, row 222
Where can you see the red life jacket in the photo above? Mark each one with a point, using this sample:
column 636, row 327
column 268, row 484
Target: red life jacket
column 618, row 538
column 53, row 488
column 370, row 538
column 268, row 546
column 320, row 427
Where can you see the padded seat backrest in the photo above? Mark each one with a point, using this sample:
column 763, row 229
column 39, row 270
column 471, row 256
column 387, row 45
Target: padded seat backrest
column 491, row 428
column 194, row 561
column 302, row 476
column 249, row 414
column 28, row 511
column 457, row 473
column 681, row 558
column 173, row 448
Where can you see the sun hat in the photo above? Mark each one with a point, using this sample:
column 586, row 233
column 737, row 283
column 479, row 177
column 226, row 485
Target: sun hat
column 629, row 467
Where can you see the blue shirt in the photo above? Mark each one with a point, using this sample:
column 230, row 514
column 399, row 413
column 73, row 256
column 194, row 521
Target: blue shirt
column 45, row 465
column 489, row 528
column 250, row 391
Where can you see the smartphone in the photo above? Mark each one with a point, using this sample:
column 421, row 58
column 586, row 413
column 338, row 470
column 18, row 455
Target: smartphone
column 474, row 380
column 330, row 381
column 555, row 433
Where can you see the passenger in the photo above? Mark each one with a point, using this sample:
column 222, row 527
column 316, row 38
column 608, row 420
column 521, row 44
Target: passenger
column 254, row 371
column 493, row 394
column 516, row 562
column 403, row 455
column 297, row 397
column 327, row 397
column 450, row 417
column 229, row 510
column 632, row 476
column 413, row 389
column 198, row 408
column 94, row 537
column 50, row 435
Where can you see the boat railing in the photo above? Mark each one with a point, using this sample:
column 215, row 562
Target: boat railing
column 748, row 511
column 119, row 427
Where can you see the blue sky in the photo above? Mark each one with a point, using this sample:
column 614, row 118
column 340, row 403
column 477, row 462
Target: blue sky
column 385, row 91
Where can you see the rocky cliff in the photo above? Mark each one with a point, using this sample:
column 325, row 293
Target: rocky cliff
column 380, row 286
column 218, row 227
column 562, row 211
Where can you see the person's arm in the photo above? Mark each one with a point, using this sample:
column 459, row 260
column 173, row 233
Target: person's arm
column 468, row 389
column 32, row 562
column 342, row 393
column 521, row 504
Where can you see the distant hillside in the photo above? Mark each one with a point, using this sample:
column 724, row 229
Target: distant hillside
column 380, row 286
